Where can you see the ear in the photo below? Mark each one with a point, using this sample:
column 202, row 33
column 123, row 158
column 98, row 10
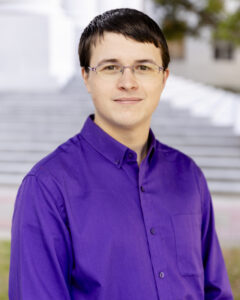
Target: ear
column 165, row 76
column 85, row 76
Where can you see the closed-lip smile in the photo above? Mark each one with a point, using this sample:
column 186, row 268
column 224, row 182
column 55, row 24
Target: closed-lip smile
column 128, row 99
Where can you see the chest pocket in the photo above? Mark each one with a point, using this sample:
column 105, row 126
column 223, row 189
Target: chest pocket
column 187, row 232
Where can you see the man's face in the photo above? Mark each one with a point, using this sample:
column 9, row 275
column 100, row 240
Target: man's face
column 106, row 92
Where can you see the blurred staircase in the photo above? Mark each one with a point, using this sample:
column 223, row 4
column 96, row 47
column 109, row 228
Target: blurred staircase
column 32, row 125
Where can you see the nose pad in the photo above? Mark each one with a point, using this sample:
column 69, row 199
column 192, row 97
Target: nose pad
column 127, row 79
column 131, row 69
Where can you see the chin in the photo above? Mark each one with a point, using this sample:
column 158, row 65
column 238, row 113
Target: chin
column 128, row 123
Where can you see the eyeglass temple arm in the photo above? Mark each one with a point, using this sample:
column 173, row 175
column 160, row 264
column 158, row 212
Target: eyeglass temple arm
column 92, row 68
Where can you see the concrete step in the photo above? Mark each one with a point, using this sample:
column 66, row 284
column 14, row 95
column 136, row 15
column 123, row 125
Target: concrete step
column 209, row 131
column 53, row 137
column 21, row 157
column 13, row 128
column 202, row 141
column 45, row 106
column 10, row 180
column 217, row 162
column 27, row 146
column 225, row 152
column 221, row 174
column 15, row 167
column 224, row 188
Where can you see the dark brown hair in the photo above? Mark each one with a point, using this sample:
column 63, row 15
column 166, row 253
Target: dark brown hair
column 129, row 22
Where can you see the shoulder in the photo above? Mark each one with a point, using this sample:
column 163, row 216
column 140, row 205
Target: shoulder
column 61, row 160
column 45, row 182
column 175, row 156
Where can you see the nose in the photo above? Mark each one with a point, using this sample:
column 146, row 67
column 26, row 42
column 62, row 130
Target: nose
column 127, row 80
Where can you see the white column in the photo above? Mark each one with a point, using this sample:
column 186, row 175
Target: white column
column 82, row 12
column 107, row 5
column 30, row 5
column 37, row 46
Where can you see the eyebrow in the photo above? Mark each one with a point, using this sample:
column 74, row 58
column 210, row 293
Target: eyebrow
column 146, row 61
column 114, row 60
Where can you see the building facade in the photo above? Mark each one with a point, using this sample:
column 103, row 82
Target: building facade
column 39, row 40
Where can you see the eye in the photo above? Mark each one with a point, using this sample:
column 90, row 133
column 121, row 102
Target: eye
column 146, row 68
column 142, row 67
column 109, row 68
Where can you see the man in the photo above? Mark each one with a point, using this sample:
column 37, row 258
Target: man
column 113, row 213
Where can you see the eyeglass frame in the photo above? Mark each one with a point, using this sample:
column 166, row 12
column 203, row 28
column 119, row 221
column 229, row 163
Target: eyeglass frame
column 94, row 69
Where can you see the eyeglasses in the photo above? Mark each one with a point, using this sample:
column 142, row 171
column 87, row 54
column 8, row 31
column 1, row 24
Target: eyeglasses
column 146, row 70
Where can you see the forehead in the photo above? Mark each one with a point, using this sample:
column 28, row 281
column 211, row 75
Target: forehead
column 124, row 49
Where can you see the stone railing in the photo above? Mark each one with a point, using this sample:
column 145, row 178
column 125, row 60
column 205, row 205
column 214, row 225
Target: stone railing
column 222, row 107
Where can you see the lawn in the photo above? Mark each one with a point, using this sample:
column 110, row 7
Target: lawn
column 4, row 266
column 232, row 259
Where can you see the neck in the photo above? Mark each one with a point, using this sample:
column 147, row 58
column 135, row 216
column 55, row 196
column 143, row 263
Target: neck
column 135, row 139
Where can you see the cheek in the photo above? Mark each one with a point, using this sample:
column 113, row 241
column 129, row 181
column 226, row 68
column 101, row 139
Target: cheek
column 101, row 92
column 153, row 89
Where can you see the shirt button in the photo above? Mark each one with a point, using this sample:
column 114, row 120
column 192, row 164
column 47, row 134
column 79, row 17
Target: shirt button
column 161, row 274
column 130, row 155
column 142, row 189
column 117, row 162
column 152, row 230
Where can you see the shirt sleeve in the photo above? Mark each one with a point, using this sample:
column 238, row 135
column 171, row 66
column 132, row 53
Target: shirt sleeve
column 216, row 282
column 41, row 260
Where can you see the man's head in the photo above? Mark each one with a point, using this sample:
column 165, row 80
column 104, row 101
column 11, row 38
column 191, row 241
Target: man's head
column 130, row 23
column 124, row 97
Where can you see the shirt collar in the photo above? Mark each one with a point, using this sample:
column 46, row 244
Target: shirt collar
column 109, row 147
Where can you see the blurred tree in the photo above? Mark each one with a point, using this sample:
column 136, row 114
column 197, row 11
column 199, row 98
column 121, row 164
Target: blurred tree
column 187, row 17
column 229, row 28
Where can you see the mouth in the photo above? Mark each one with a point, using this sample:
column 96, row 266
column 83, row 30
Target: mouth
column 132, row 100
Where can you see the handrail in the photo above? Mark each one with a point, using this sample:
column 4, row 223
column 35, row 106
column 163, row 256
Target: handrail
column 220, row 106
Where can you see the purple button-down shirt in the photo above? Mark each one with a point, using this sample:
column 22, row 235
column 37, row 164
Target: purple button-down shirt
column 89, row 223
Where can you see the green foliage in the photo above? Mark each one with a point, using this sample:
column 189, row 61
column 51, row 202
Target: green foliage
column 170, row 31
column 173, row 25
column 229, row 28
column 175, row 22
column 176, row 3
column 214, row 6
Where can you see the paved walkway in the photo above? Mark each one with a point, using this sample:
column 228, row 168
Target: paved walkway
column 7, row 199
